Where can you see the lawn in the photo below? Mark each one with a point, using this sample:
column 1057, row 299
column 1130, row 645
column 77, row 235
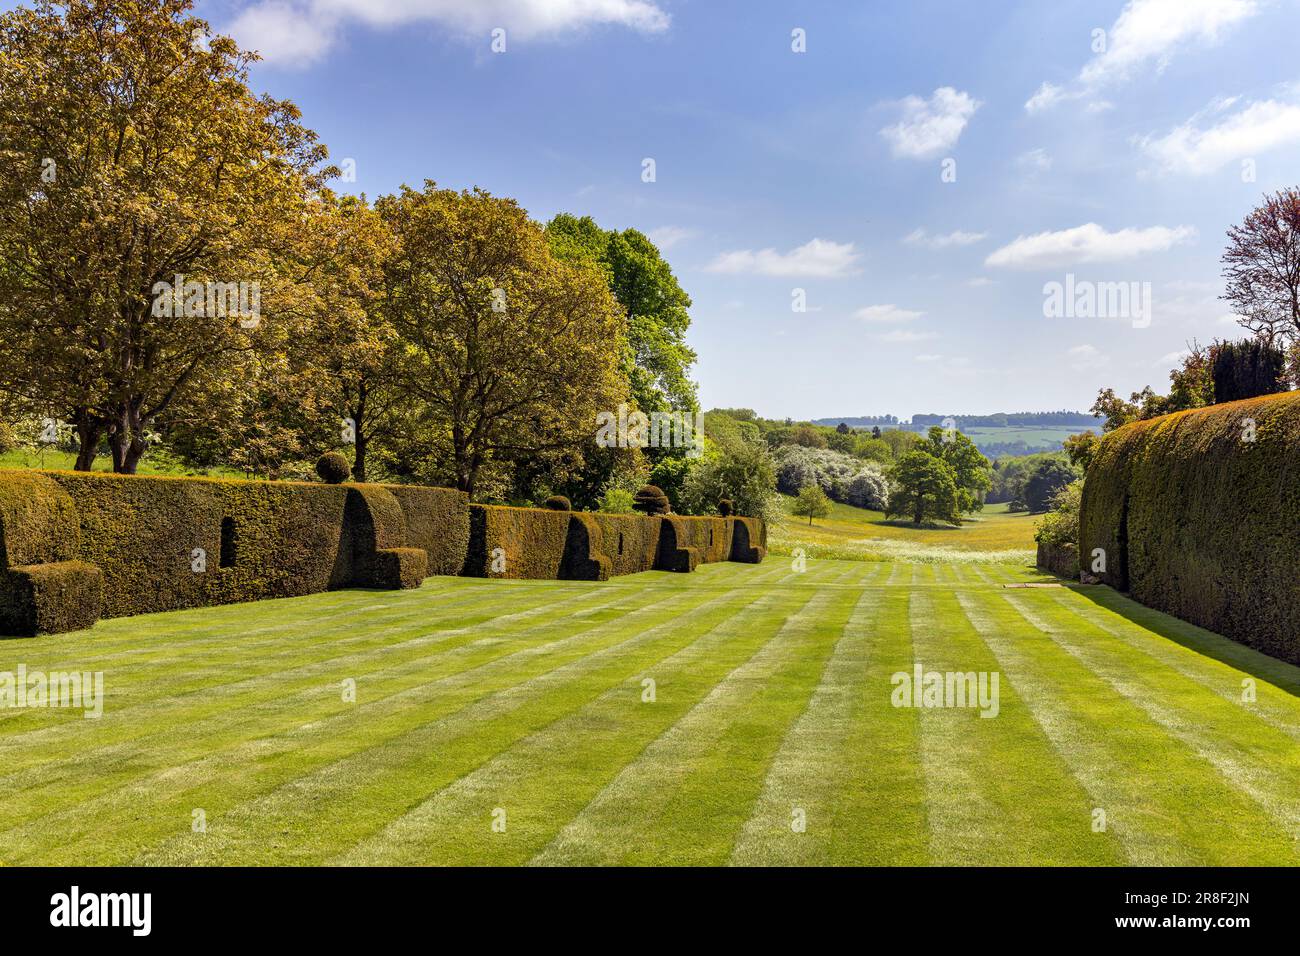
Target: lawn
column 525, row 703
column 993, row 534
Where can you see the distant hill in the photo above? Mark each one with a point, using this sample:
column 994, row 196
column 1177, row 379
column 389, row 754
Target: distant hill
column 1006, row 433
column 998, row 420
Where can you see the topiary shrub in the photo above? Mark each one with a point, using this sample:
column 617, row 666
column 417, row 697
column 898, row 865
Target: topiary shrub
column 651, row 500
column 333, row 468
column 558, row 503
column 726, row 508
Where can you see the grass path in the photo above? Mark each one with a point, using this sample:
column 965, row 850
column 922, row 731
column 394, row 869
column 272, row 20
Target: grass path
column 513, row 723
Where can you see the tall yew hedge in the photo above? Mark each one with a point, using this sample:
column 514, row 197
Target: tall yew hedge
column 1198, row 514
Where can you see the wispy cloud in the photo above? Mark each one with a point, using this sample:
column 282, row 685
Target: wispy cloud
column 818, row 258
column 930, row 127
column 886, row 314
column 665, row 237
column 919, row 237
column 1147, row 32
column 301, row 32
column 908, row 335
column 1202, row 145
column 1086, row 244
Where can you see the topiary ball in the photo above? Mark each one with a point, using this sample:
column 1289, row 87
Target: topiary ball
column 726, row 508
column 558, row 503
column 651, row 500
column 333, row 468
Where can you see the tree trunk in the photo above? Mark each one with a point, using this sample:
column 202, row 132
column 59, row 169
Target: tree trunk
column 126, row 440
column 359, row 439
column 89, row 432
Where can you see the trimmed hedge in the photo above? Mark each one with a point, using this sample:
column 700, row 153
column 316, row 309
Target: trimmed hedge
column 50, row 598
column 685, row 542
column 748, row 540
column 437, row 520
column 628, row 542
column 516, row 542
column 1198, row 521
column 75, row 546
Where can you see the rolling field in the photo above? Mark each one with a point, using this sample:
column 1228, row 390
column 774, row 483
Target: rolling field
column 993, row 534
column 524, row 703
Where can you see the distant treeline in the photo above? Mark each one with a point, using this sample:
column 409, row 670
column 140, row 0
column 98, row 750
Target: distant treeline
column 999, row 420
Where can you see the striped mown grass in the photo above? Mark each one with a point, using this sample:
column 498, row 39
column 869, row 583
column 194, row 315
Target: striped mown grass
column 740, row 715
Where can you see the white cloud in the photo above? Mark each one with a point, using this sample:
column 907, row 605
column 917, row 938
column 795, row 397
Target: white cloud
column 979, row 282
column 1146, row 31
column 1034, row 160
column 1087, row 357
column 1047, row 95
column 908, row 335
column 1172, row 358
column 929, row 358
column 665, row 237
column 1257, row 128
column 919, row 237
column 929, row 127
column 300, row 32
column 886, row 313
column 818, row 258
column 1085, row 244
column 1154, row 30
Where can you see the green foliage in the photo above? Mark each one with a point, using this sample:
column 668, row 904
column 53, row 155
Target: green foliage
column 925, row 488
column 669, row 475
column 558, row 503
column 617, row 501
column 1060, row 525
column 970, row 469
column 658, row 361
column 1247, row 369
column 1080, row 448
column 741, row 471
column 1046, row 482
column 811, row 502
column 1195, row 518
column 333, row 468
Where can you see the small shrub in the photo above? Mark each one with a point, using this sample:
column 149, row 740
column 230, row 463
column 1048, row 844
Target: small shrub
column 333, row 468
column 617, row 501
column 651, row 500
column 557, row 503
column 725, row 507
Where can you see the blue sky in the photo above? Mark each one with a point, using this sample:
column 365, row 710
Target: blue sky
column 777, row 170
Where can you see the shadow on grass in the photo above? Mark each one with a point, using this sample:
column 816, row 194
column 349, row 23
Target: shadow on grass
column 1277, row 672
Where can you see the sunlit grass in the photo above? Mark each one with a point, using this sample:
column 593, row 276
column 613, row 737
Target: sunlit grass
column 856, row 534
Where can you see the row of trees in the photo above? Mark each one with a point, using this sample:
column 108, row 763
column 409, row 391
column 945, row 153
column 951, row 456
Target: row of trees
column 434, row 335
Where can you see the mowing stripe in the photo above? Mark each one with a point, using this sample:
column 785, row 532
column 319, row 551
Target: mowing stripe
column 1092, row 763
column 997, row 791
column 469, row 721
column 845, row 786
column 353, row 728
column 1253, row 758
column 1273, row 705
column 684, row 796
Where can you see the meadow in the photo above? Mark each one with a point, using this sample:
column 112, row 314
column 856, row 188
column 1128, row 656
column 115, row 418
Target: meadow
column 993, row 534
column 738, row 715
